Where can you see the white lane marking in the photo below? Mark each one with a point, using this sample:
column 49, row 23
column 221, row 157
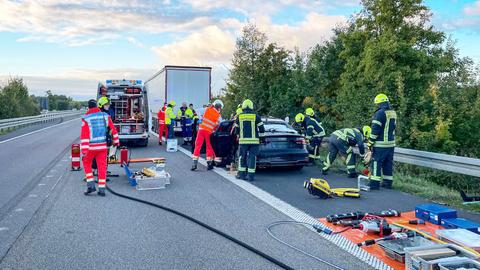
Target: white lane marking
column 58, row 180
column 298, row 215
column 41, row 184
column 3, row 229
column 33, row 195
column 19, row 210
column 49, row 175
column 36, row 131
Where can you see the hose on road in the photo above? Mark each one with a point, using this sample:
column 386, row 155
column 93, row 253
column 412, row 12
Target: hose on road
column 206, row 226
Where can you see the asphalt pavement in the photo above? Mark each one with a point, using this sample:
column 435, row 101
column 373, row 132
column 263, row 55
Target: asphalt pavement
column 72, row 231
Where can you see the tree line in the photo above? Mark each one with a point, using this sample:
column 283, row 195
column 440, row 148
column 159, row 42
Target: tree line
column 389, row 47
column 15, row 101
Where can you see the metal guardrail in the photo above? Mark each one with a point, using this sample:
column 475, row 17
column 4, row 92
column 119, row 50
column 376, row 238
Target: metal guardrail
column 444, row 162
column 10, row 123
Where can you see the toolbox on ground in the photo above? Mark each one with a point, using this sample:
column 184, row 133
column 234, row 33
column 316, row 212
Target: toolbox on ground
column 460, row 237
column 395, row 249
column 460, row 223
column 463, row 264
column 434, row 213
column 429, row 258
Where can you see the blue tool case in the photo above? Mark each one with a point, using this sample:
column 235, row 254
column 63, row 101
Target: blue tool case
column 461, row 223
column 434, row 213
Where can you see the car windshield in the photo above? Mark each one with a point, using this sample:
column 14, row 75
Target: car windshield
column 279, row 127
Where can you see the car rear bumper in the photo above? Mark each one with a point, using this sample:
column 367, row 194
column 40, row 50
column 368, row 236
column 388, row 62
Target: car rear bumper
column 283, row 161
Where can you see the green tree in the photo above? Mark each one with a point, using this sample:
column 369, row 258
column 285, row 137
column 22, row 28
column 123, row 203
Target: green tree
column 15, row 100
column 391, row 48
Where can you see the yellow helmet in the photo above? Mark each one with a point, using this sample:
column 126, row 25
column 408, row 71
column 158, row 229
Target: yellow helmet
column 380, row 98
column 309, row 112
column 239, row 110
column 102, row 101
column 247, row 103
column 299, row 117
column 172, row 103
column 366, row 131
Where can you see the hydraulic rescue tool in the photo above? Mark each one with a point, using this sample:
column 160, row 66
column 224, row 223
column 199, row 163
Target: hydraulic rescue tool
column 321, row 188
column 360, row 215
column 393, row 236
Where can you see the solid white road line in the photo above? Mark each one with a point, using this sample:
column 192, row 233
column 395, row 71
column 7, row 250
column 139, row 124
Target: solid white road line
column 33, row 132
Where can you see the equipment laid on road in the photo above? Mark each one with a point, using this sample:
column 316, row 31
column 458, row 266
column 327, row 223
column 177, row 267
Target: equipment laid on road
column 172, row 145
column 461, row 237
column 124, row 158
column 321, row 188
column 461, row 223
column 434, row 213
column 393, row 236
column 395, row 248
column 154, row 177
column 429, row 257
column 363, row 182
column 75, row 157
column 360, row 215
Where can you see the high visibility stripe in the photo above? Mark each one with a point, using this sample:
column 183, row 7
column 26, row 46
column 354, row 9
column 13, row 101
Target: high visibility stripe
column 348, row 158
column 374, row 168
column 89, row 180
column 387, row 177
column 75, row 159
column 84, row 141
column 376, row 122
column 373, row 136
column 351, row 167
column 251, row 170
column 89, row 174
column 384, row 144
column 349, row 150
column 98, row 147
column 375, row 178
column 195, row 157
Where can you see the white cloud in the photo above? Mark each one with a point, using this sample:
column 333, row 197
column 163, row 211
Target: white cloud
column 84, row 22
column 472, row 9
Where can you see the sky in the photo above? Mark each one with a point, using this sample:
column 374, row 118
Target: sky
column 68, row 46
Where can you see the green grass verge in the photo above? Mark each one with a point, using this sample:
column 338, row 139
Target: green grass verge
column 431, row 191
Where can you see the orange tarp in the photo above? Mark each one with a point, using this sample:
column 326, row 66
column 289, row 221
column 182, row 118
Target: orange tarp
column 358, row 236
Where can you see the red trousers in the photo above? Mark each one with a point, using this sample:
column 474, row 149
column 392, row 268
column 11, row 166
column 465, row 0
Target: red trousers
column 203, row 135
column 162, row 129
column 100, row 157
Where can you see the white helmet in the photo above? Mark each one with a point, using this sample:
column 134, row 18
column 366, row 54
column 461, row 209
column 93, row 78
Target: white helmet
column 217, row 102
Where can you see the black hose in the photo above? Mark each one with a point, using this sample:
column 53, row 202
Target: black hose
column 208, row 227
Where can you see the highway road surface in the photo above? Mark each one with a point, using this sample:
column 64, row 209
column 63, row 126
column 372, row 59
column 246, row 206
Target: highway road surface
column 47, row 222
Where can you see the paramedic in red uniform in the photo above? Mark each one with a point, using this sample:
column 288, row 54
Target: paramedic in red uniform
column 210, row 120
column 162, row 128
column 93, row 144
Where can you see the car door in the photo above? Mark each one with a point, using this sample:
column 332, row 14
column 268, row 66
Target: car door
column 222, row 139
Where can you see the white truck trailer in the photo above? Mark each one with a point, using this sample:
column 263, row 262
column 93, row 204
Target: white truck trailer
column 180, row 84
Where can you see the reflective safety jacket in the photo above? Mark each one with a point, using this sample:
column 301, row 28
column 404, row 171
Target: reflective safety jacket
column 351, row 137
column 169, row 115
column 249, row 126
column 161, row 115
column 185, row 112
column 93, row 134
column 383, row 126
column 210, row 119
column 313, row 128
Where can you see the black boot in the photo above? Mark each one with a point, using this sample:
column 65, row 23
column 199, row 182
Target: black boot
column 251, row 177
column 194, row 166
column 101, row 192
column 209, row 165
column 374, row 185
column 387, row 184
column 90, row 190
column 241, row 175
column 353, row 175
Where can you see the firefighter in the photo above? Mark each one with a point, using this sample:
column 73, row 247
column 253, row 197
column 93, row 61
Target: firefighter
column 342, row 141
column 185, row 115
column 237, row 112
column 299, row 124
column 382, row 143
column 170, row 120
column 314, row 133
column 162, row 127
column 93, row 144
column 248, row 127
column 210, row 120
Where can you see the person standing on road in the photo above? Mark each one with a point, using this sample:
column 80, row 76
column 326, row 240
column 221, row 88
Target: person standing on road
column 210, row 120
column 248, row 127
column 162, row 127
column 314, row 134
column 93, row 144
column 382, row 143
column 170, row 120
column 342, row 141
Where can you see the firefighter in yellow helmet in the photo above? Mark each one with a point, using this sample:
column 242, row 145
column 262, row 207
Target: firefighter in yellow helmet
column 314, row 134
column 382, row 143
column 342, row 142
column 249, row 127
column 170, row 119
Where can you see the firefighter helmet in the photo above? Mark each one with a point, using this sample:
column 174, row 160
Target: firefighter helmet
column 366, row 131
column 299, row 117
column 218, row 103
column 380, row 98
column 172, row 103
column 247, row 103
column 102, row 101
column 309, row 112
